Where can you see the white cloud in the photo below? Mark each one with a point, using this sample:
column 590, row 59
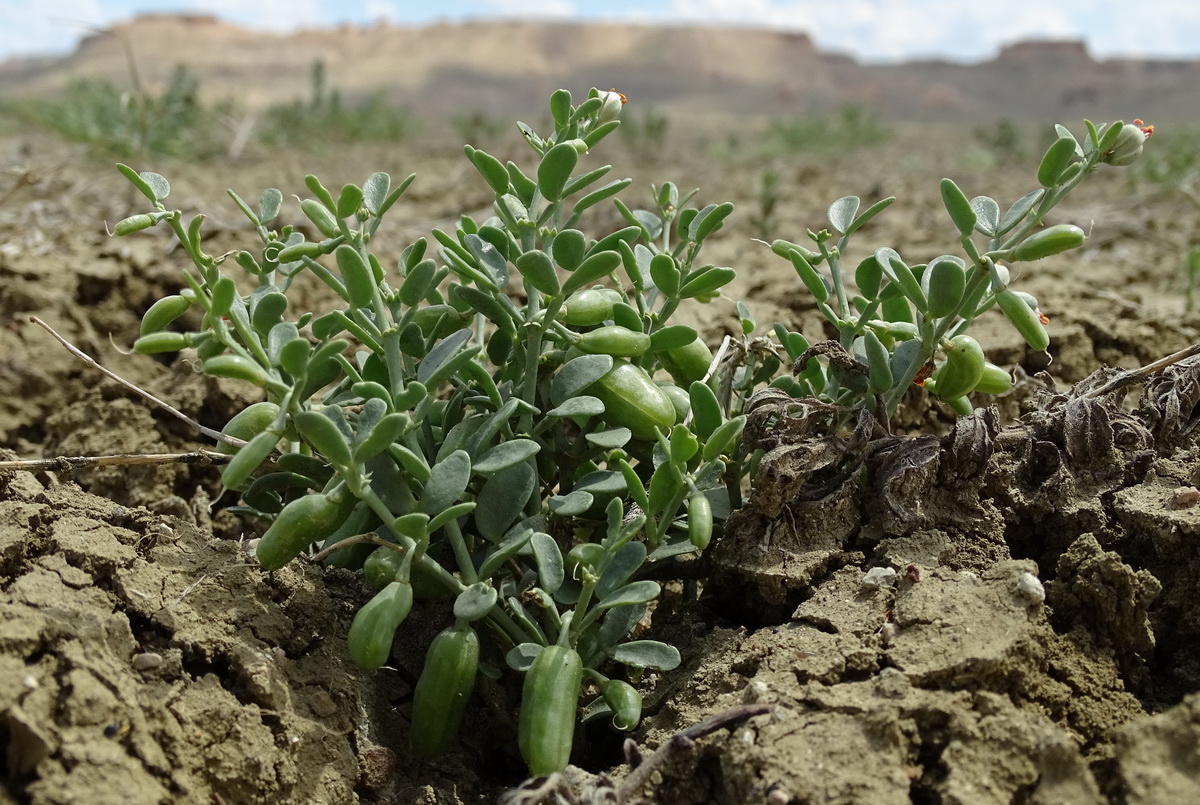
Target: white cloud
column 381, row 10
column 531, row 8
column 887, row 30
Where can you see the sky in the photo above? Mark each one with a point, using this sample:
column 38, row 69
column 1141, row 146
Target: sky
column 871, row 30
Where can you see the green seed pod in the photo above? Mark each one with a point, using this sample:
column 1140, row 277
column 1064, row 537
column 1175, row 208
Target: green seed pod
column 584, row 556
column 1049, row 241
column 374, row 626
column 1024, row 319
column 302, row 522
column 153, row 343
column 298, row 251
column 248, row 423
column 688, row 363
column 589, row 306
column 961, row 406
column 234, row 366
column 1127, row 147
column 679, row 398
column 632, row 400
column 247, row 459
column 625, row 703
column 134, row 223
column 944, row 283
column 615, row 340
column 321, row 217
column 546, row 728
column 162, row 313
column 700, row 521
column 381, row 567
column 445, row 687
column 962, row 370
column 994, row 381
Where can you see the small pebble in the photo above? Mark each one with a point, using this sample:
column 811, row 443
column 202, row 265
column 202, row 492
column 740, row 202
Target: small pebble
column 1185, row 496
column 778, row 797
column 1031, row 589
column 878, row 577
column 147, row 661
column 755, row 692
column 323, row 704
column 376, row 766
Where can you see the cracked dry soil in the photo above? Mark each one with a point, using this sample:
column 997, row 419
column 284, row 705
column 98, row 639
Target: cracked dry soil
column 1033, row 635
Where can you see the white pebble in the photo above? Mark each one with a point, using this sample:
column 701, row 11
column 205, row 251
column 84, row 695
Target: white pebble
column 878, row 577
column 1031, row 589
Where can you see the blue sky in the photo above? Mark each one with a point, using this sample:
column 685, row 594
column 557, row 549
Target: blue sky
column 873, row 30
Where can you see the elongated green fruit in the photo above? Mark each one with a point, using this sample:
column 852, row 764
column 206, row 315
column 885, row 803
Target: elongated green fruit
column 233, row 366
column 134, row 223
column 374, row 626
column 302, row 522
column 381, row 567
column 321, row 217
column 589, row 306
column 1024, row 319
column 678, row 397
column 962, row 370
column 584, row 556
column 624, row 701
column 615, row 340
column 248, row 458
column 632, row 400
column 700, row 523
column 248, row 423
column 163, row 312
column 994, row 381
column 297, row 251
column 961, row 406
column 1051, row 240
column 153, row 343
column 687, row 363
column 444, row 689
column 546, row 727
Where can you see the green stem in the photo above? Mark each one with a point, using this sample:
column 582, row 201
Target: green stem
column 462, row 555
column 832, row 258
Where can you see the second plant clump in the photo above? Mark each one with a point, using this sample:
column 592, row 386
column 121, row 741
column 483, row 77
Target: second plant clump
column 510, row 422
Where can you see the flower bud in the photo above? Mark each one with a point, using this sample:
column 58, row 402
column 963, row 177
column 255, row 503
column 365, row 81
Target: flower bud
column 1128, row 146
column 611, row 110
